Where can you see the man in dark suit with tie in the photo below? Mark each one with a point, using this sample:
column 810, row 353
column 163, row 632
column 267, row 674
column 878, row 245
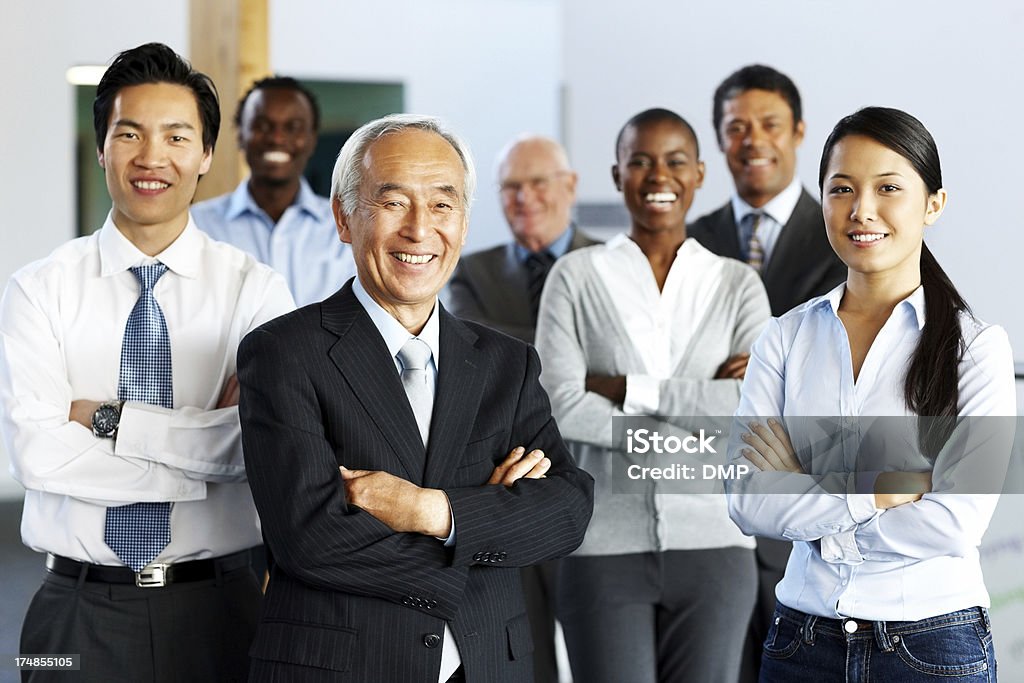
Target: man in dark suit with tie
column 403, row 565
column 771, row 220
column 500, row 287
column 773, row 223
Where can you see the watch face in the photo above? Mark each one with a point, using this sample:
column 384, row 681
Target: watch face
column 105, row 420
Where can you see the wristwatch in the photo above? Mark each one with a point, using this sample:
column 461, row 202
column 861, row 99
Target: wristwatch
column 106, row 419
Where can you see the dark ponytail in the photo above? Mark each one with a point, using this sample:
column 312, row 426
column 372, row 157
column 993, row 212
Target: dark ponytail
column 932, row 384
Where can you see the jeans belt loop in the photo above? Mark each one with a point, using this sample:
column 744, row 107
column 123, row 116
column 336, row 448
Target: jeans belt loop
column 809, row 625
column 882, row 637
column 985, row 619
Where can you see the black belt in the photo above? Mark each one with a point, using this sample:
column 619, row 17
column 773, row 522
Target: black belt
column 153, row 575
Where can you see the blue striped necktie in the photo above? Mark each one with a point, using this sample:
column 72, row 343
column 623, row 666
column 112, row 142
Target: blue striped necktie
column 138, row 532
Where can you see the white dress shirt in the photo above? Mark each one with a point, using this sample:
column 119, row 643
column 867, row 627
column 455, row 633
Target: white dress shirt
column 303, row 245
column 774, row 216
column 62, row 322
column 850, row 559
column 659, row 323
column 395, row 337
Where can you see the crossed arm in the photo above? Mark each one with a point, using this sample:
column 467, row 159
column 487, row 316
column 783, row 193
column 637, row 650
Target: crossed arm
column 404, row 506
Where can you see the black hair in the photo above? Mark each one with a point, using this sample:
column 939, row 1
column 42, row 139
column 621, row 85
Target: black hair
column 155, row 63
column 656, row 115
column 755, row 77
column 931, row 387
column 280, row 83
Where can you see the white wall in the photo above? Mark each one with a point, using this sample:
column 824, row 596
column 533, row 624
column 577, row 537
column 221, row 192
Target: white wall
column 953, row 65
column 492, row 69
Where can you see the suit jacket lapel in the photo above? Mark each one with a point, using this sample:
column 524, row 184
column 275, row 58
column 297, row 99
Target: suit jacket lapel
column 456, row 399
column 363, row 359
column 722, row 235
column 796, row 244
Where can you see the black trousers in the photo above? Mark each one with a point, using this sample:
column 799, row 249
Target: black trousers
column 188, row 632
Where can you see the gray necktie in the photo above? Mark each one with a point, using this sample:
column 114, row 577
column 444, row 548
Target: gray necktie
column 755, row 249
column 415, row 356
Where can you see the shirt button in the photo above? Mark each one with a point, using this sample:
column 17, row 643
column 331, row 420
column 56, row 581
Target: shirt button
column 850, row 626
column 431, row 640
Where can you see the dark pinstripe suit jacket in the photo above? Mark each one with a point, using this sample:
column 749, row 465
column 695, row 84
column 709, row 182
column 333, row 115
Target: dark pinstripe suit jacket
column 349, row 599
column 803, row 264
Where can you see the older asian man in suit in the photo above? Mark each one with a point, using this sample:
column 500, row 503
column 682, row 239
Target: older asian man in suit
column 776, row 226
column 403, row 566
column 501, row 286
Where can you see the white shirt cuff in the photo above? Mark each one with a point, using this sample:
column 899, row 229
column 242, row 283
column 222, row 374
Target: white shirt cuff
column 142, row 430
column 643, row 395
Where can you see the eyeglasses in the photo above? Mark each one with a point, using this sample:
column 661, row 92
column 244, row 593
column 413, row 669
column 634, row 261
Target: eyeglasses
column 537, row 184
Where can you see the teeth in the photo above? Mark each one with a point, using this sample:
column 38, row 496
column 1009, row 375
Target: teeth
column 150, row 185
column 413, row 258
column 660, row 197
column 758, row 162
column 277, row 157
column 868, row 237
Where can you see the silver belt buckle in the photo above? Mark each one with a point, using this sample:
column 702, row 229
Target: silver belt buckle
column 152, row 576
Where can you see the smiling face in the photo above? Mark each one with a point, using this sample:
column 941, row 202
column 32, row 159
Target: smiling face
column 759, row 139
column 876, row 206
column 537, row 192
column 152, row 157
column 658, row 173
column 277, row 135
column 410, row 223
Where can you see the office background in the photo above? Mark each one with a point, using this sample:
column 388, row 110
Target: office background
column 576, row 69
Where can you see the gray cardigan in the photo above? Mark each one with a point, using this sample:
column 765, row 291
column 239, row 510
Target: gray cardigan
column 579, row 332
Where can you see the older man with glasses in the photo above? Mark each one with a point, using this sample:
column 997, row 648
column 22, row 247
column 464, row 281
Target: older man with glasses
column 500, row 287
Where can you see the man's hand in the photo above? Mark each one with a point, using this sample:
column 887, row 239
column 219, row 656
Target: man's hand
column 900, row 488
column 519, row 465
column 400, row 504
column 734, row 367
column 81, row 412
column 229, row 394
column 612, row 388
column 770, row 449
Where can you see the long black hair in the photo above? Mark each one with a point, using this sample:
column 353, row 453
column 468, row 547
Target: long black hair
column 931, row 387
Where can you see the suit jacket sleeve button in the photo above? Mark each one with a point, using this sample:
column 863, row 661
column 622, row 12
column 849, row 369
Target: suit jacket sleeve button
column 431, row 640
column 478, row 557
column 502, row 556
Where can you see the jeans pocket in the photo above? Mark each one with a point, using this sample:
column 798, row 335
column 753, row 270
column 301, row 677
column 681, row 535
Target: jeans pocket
column 952, row 650
column 784, row 637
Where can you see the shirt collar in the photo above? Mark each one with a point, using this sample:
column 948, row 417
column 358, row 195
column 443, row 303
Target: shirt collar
column 914, row 303
column 241, row 201
column 779, row 208
column 394, row 334
column 689, row 249
column 557, row 248
column 117, row 253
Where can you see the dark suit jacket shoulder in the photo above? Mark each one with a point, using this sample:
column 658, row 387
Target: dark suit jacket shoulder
column 349, row 595
column 803, row 264
column 490, row 287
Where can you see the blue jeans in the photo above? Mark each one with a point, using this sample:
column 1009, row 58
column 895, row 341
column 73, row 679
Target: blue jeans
column 950, row 647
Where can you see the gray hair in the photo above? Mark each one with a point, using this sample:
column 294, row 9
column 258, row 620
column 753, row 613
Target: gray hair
column 348, row 169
